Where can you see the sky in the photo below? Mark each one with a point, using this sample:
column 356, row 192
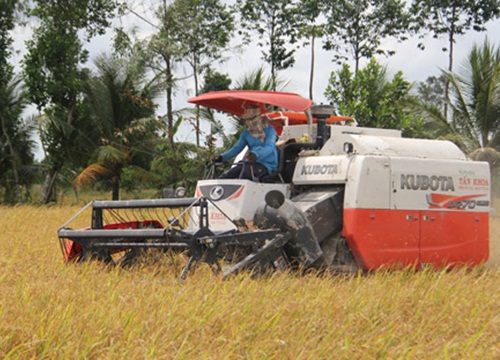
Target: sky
column 416, row 65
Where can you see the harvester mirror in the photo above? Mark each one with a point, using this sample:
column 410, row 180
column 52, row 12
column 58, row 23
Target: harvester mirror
column 348, row 148
column 180, row 192
column 275, row 199
column 170, row 193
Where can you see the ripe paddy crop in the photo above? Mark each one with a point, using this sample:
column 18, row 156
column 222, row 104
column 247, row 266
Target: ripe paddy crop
column 56, row 311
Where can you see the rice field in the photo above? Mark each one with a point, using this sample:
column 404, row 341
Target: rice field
column 50, row 310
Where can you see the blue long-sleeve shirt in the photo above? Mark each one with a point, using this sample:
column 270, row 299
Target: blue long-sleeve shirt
column 264, row 150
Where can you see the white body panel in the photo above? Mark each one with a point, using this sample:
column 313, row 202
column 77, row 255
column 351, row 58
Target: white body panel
column 385, row 171
column 236, row 198
column 384, row 142
column 440, row 185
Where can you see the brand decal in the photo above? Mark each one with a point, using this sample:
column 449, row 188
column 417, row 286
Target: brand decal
column 216, row 193
column 473, row 181
column 425, row 182
column 220, row 192
column 217, row 216
column 319, row 169
column 467, row 202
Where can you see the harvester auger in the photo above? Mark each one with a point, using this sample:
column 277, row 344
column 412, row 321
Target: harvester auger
column 344, row 197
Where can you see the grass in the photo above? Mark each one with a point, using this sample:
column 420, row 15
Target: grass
column 50, row 310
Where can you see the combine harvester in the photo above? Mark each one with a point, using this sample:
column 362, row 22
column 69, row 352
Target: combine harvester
column 346, row 198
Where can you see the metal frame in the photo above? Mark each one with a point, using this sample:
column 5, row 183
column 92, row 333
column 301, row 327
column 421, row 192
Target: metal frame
column 203, row 245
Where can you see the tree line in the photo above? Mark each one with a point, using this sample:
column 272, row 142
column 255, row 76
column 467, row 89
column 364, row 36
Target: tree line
column 98, row 119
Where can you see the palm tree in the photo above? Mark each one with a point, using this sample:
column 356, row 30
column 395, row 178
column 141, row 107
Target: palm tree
column 181, row 165
column 121, row 108
column 16, row 142
column 475, row 103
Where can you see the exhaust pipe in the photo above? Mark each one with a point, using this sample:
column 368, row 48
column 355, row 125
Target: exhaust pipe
column 303, row 248
column 321, row 113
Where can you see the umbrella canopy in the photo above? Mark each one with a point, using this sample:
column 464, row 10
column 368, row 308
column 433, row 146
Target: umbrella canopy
column 235, row 101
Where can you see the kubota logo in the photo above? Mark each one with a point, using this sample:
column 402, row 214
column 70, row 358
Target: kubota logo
column 216, row 192
column 424, row 182
column 319, row 169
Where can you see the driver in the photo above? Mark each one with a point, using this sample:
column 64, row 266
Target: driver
column 262, row 156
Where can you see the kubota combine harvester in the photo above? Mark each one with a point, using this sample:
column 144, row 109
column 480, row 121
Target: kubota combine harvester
column 344, row 198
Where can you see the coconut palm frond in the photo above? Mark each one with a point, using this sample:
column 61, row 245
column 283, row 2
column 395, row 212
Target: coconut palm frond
column 145, row 176
column 91, row 174
column 258, row 80
column 476, row 102
column 110, row 156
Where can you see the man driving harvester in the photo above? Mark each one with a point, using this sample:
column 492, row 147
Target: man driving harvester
column 262, row 156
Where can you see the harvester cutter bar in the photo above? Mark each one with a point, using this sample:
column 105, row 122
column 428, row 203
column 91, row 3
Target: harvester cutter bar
column 268, row 254
column 239, row 238
column 205, row 246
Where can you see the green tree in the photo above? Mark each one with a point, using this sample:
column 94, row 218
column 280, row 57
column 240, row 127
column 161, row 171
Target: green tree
column 120, row 107
column 16, row 141
column 7, row 23
column 204, row 35
column 357, row 27
column 452, row 18
column 12, row 103
column 215, row 81
column 311, row 29
column 162, row 50
column 372, row 99
column 274, row 23
column 54, row 76
column 181, row 166
column 432, row 91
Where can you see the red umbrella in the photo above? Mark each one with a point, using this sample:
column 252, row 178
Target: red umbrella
column 234, row 101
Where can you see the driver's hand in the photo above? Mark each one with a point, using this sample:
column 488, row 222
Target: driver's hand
column 216, row 159
column 251, row 157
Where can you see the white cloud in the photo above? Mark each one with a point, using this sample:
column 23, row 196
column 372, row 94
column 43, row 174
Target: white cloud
column 415, row 64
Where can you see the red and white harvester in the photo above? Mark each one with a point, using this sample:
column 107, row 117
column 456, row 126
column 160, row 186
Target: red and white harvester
column 344, row 198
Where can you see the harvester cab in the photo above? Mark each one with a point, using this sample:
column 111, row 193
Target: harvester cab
column 344, row 198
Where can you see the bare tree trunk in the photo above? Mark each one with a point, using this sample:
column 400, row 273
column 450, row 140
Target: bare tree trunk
column 115, row 186
column 48, row 185
column 50, row 179
column 197, row 116
column 311, row 76
column 170, row 115
column 451, row 40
